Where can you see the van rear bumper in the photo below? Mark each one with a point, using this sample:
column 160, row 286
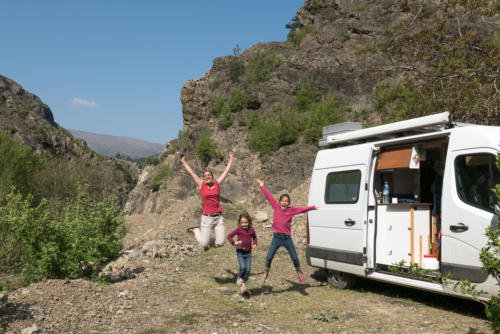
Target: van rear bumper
column 336, row 255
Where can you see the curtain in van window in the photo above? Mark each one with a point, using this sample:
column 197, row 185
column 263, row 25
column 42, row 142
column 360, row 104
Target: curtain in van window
column 342, row 187
column 476, row 177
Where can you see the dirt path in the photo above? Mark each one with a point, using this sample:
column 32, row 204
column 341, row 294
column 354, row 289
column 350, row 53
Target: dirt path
column 196, row 293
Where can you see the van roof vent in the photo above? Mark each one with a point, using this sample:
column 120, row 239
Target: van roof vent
column 343, row 134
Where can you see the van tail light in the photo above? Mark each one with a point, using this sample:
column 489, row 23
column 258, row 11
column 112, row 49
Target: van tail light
column 308, row 240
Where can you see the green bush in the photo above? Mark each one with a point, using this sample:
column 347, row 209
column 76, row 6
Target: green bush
column 218, row 108
column 162, row 172
column 260, row 65
column 18, row 164
column 328, row 111
column 253, row 102
column 236, row 68
column 264, row 138
column 490, row 257
column 71, row 244
column 226, row 120
column 296, row 36
column 254, row 120
column 237, row 100
column 305, row 96
column 205, row 148
column 394, row 102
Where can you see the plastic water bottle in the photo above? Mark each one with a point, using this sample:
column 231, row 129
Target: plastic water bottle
column 385, row 193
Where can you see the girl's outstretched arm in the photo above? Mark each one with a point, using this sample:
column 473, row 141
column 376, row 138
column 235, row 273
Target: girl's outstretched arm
column 195, row 177
column 228, row 167
column 274, row 203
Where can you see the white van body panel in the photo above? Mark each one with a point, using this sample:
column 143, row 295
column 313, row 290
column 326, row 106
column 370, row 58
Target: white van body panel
column 329, row 234
column 340, row 225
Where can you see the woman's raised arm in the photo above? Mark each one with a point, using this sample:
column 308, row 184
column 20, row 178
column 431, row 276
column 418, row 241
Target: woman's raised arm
column 195, row 177
column 222, row 177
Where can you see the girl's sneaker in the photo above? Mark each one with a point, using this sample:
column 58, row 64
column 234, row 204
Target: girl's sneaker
column 239, row 281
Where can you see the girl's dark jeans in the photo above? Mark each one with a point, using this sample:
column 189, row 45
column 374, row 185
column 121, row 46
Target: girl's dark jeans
column 285, row 241
column 245, row 262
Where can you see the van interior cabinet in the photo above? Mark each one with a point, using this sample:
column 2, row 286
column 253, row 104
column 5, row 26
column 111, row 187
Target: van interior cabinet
column 396, row 241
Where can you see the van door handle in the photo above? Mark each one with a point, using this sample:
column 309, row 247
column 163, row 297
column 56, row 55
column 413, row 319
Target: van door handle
column 349, row 222
column 460, row 227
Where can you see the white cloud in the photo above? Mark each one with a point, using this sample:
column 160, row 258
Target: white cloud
column 79, row 102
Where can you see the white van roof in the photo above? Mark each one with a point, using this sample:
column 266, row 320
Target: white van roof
column 425, row 124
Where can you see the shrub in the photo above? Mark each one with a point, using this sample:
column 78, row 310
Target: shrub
column 264, row 138
column 236, row 67
column 43, row 245
column 306, row 95
column 296, row 36
column 394, row 102
column 254, row 121
column 260, row 65
column 345, row 33
column 162, row 172
column 490, row 257
column 218, row 108
column 226, row 119
column 325, row 112
column 237, row 100
column 253, row 102
column 206, row 149
column 18, row 164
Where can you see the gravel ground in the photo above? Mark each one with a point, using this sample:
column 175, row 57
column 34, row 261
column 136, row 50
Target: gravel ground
column 191, row 291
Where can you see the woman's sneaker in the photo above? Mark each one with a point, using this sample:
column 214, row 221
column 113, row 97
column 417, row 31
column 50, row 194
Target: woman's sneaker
column 302, row 278
column 239, row 281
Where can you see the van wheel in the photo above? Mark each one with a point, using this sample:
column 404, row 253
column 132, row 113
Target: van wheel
column 341, row 280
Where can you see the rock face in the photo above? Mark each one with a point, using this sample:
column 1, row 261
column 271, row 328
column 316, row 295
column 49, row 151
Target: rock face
column 383, row 60
column 25, row 117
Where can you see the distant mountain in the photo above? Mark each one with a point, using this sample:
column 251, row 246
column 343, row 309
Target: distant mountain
column 113, row 145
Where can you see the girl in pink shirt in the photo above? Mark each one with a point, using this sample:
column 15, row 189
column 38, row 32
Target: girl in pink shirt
column 282, row 222
column 211, row 218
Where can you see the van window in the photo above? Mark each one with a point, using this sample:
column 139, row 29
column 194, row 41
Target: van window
column 342, row 187
column 476, row 177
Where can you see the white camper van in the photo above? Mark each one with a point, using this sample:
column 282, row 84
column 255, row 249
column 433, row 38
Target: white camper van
column 439, row 177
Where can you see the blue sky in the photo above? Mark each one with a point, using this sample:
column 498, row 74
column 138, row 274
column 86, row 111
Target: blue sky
column 117, row 67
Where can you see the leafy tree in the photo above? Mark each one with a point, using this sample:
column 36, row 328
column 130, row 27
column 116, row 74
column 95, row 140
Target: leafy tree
column 294, row 24
column 490, row 257
column 260, row 66
column 18, row 164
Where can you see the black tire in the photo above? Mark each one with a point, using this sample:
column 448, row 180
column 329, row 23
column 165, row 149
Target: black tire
column 341, row 280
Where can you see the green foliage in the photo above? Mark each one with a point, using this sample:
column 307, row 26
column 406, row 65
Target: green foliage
column 296, row 36
column 325, row 316
column 294, row 24
column 236, row 67
column 263, row 137
column 254, row 121
column 218, row 108
column 360, row 7
column 164, row 171
column 490, row 257
column 73, row 243
column 253, row 102
column 18, row 165
column 306, row 95
column 260, row 65
column 495, row 41
column 345, row 33
column 428, row 11
column 394, row 102
column 457, row 70
column 226, row 119
column 367, row 49
column 237, row 100
column 205, row 148
column 314, row 9
column 328, row 111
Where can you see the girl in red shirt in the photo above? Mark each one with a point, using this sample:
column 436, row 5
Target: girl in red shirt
column 211, row 218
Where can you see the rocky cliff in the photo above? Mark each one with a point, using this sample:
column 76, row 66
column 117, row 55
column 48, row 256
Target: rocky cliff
column 25, row 117
column 369, row 61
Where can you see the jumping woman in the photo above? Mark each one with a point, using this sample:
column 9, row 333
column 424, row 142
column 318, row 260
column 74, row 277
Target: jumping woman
column 211, row 218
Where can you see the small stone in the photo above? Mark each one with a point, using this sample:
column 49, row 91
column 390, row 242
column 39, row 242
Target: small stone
column 31, row 330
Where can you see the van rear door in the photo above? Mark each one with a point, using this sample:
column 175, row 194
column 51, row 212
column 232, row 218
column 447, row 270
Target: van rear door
column 338, row 229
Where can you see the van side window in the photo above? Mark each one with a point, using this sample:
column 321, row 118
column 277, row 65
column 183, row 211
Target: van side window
column 476, row 177
column 342, row 187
